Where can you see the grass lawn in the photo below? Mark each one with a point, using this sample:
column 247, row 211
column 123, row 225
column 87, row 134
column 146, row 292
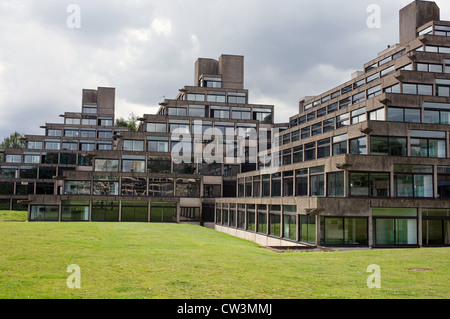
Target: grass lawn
column 171, row 261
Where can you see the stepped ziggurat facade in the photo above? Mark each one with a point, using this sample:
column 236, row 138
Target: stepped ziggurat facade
column 366, row 164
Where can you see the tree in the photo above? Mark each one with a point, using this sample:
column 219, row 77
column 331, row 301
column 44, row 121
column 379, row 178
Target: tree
column 15, row 140
column 131, row 122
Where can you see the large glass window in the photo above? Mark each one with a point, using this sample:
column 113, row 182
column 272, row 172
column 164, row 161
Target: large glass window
column 428, row 144
column 106, row 165
column 72, row 210
column 335, row 184
column 369, row 184
column 384, row 145
column 106, row 186
column 413, row 181
column 407, row 115
column 262, row 219
column 133, row 145
column 301, row 182
column 186, row 187
column 436, row 227
column 44, row 213
column 340, row 145
column 77, row 188
column 307, row 229
column 288, row 184
column 105, row 211
column 443, row 176
column 317, row 181
column 161, row 187
column 132, row 186
column 395, row 226
column 134, row 212
column 344, row 231
column 158, row 144
column 323, row 148
column 133, row 164
column 275, row 220
column 157, row 127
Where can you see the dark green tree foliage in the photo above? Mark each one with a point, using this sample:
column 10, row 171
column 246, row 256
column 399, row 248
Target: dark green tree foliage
column 131, row 122
column 15, row 140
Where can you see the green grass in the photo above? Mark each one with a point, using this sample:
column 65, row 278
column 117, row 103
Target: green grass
column 172, row 261
column 13, row 216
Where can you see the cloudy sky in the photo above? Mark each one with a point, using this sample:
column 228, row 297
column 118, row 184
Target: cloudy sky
column 146, row 49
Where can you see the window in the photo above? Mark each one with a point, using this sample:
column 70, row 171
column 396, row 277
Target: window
column 105, row 186
column 105, row 121
column 428, row 144
column 426, row 67
column 358, row 84
column 263, row 115
column 358, row 115
column 295, row 136
column 133, row 145
column 237, row 98
column 77, row 188
column 360, row 97
column 105, row 134
column 297, row 154
column 369, row 184
column 371, row 67
column 197, row 110
column 32, row 158
column 52, row 144
column 347, row 89
column 49, row 158
column 335, row 184
column 413, row 181
column 90, row 109
column 44, row 213
column 195, row 97
column 161, row 187
column 442, row 30
column 266, row 185
column 344, row 103
column 443, row 183
column 343, row 120
column 262, row 219
column 399, row 54
column 71, row 133
column 344, row 231
column 177, row 111
column 395, row 226
column 188, row 187
column 406, row 115
column 447, row 65
column 317, row 181
column 310, row 151
column 89, row 133
column 387, row 71
column 443, row 88
column 276, row 185
column 436, row 113
column 68, row 159
column 340, row 145
column 105, row 211
column 216, row 97
column 333, row 107
column 9, row 172
column 275, row 220
column 157, row 127
column 358, row 146
column 374, row 91
column 435, row 227
column 377, row 115
column 417, row 89
column 287, row 156
column 106, row 165
column 306, row 132
column 240, row 113
column 323, row 148
column 307, row 229
column 72, row 121
column 428, row 30
column 69, row 146
column 288, row 184
column 384, row 61
column 89, row 120
column 317, row 129
column 55, row 133
column 301, row 182
column 220, row 112
column 134, row 212
column 392, row 146
column 311, row 116
column 328, row 125
column 158, row 144
column 392, row 89
column 87, row 147
column 322, row 112
column 211, row 82
column 182, row 127
column 13, row 158
column 290, row 222
column 131, row 186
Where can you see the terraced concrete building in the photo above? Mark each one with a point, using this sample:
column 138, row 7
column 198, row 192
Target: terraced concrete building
column 365, row 164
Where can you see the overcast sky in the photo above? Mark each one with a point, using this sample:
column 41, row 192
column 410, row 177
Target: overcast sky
column 146, row 49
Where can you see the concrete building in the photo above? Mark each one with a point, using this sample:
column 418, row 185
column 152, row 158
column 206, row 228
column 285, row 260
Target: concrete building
column 365, row 164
